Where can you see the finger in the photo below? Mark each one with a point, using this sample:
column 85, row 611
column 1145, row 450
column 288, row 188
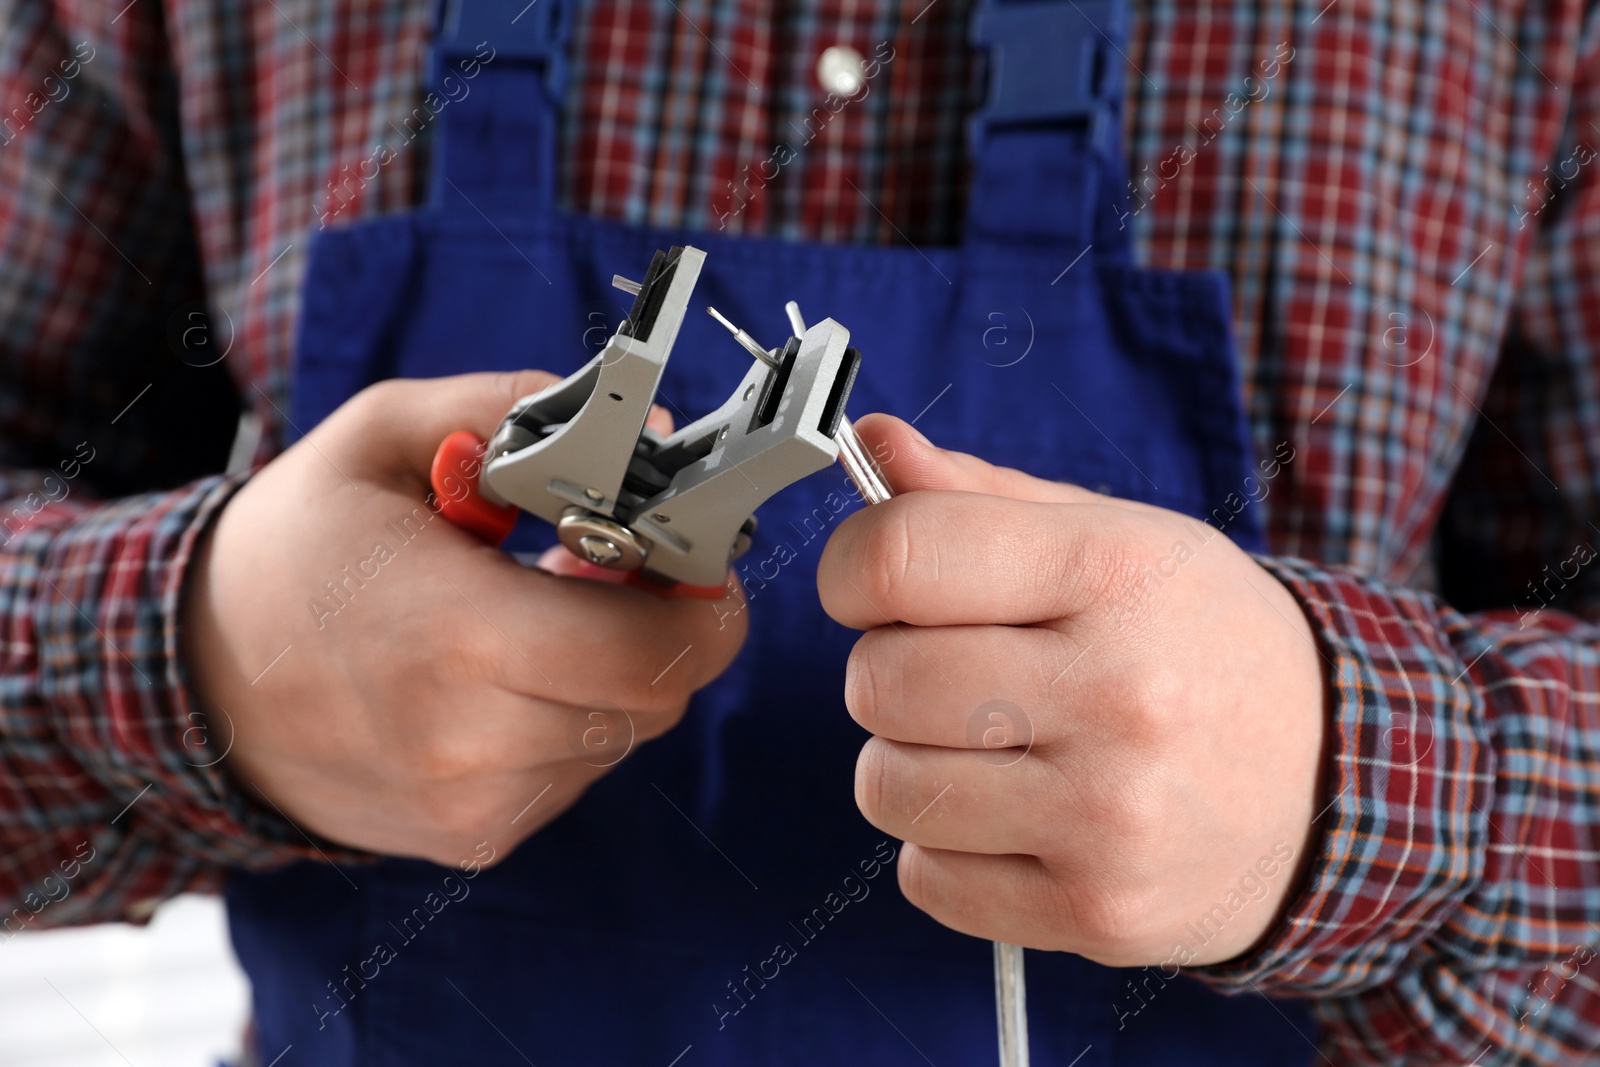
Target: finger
column 395, row 427
column 659, row 420
column 911, row 462
column 957, row 799
column 559, row 559
column 939, row 558
column 446, row 821
column 1095, row 913
column 973, row 687
column 507, row 733
column 517, row 735
column 999, row 898
column 574, row 640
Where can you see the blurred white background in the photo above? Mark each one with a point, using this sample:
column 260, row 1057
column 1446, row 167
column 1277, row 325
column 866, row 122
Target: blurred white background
column 167, row 995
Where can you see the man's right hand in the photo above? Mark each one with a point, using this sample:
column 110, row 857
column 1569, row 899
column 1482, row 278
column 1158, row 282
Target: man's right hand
column 393, row 683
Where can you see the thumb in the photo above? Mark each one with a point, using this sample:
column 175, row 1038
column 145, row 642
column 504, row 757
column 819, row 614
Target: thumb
column 910, row 462
column 395, row 427
column 402, row 421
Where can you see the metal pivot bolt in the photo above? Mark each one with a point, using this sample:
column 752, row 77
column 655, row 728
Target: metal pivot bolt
column 599, row 550
column 602, row 541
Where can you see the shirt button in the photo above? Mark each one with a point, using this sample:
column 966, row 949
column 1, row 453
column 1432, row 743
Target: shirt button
column 841, row 71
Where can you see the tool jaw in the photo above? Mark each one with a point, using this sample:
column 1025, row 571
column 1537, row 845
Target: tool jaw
column 571, row 445
column 773, row 431
column 579, row 455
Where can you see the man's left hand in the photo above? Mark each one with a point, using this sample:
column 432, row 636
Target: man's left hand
column 1097, row 724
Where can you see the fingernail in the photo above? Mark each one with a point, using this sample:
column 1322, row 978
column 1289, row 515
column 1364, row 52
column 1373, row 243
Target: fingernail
column 918, row 436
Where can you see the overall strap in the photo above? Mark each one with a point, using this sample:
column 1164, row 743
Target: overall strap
column 1046, row 144
column 496, row 72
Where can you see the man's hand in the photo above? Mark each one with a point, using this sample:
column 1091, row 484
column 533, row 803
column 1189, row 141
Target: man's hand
column 393, row 683
column 1097, row 724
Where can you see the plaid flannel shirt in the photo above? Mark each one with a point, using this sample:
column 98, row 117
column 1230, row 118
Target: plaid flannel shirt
column 1401, row 194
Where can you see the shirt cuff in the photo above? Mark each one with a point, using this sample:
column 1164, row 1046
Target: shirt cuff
column 1400, row 842
column 111, row 679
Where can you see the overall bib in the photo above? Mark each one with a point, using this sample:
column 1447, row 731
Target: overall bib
column 716, row 896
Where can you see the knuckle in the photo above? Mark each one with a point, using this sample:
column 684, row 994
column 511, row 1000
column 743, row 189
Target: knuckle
column 871, row 683
column 1108, row 569
column 1154, row 705
column 369, row 405
column 446, row 756
column 934, row 891
column 600, row 733
column 1129, row 590
column 460, row 813
column 877, row 788
column 662, row 654
column 631, row 688
column 495, row 858
column 658, row 689
column 653, row 684
column 723, row 628
column 1145, row 817
column 465, row 657
column 1140, row 814
column 916, row 884
column 661, row 718
column 714, row 637
column 883, row 554
column 1111, row 922
column 1064, row 657
column 1121, row 797
column 520, row 383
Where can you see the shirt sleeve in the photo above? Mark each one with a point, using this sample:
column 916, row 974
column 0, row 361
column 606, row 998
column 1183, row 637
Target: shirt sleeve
column 1451, row 913
column 1455, row 895
column 112, row 793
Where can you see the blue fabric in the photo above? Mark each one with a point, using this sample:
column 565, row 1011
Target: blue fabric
column 619, row 933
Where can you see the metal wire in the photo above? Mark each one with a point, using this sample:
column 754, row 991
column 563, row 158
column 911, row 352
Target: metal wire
column 860, row 465
column 1011, row 1004
column 1010, row 978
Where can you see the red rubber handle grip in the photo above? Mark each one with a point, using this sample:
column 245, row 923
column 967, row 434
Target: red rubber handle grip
column 456, row 468
column 458, row 465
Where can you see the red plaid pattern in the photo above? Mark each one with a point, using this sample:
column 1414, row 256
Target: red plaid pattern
column 706, row 116
column 1403, row 196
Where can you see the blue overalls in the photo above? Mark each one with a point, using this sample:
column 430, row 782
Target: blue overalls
column 717, row 898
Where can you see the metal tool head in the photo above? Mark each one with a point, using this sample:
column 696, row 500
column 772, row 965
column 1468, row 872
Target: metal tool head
column 578, row 454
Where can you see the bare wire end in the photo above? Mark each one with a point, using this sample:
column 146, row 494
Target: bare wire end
column 750, row 344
